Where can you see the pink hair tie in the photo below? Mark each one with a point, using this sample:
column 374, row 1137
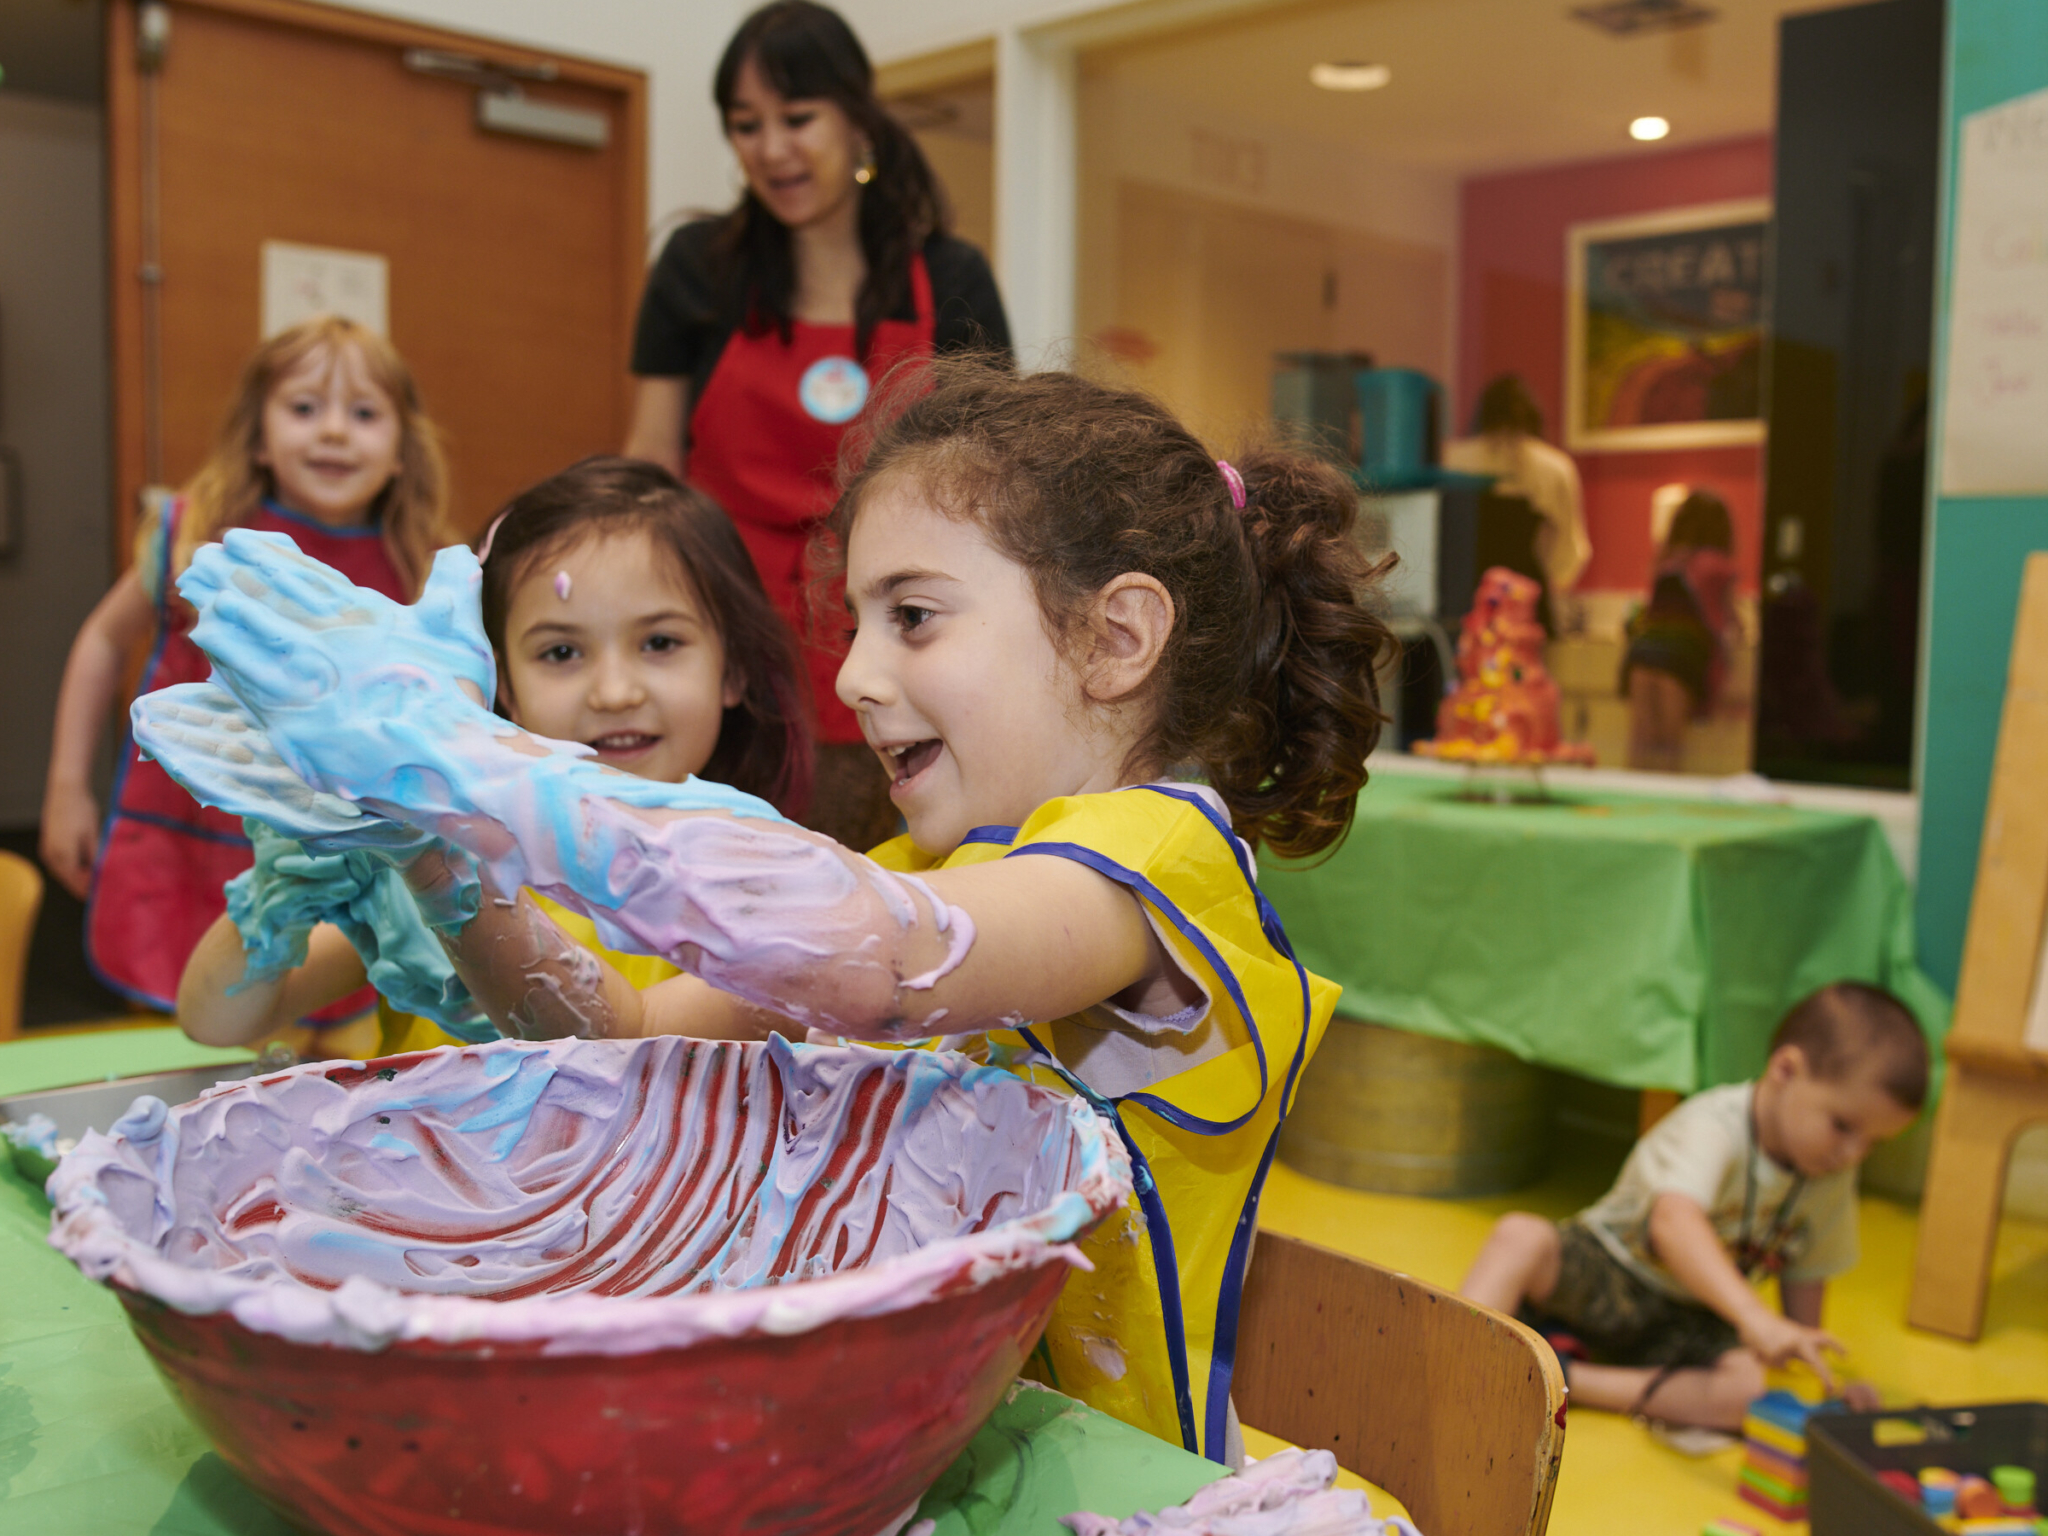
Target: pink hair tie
column 483, row 550
column 1235, row 481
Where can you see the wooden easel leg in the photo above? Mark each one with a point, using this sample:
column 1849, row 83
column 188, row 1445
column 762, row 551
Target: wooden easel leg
column 1980, row 1116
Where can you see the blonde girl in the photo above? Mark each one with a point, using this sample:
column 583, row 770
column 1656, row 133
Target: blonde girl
column 1099, row 667
column 325, row 442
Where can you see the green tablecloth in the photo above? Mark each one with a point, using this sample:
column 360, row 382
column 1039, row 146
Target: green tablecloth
column 1648, row 943
column 92, row 1445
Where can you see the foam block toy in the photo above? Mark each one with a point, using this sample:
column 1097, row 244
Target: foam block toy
column 1938, row 1491
column 1904, row 1484
column 1773, row 1473
column 1728, row 1528
column 2015, row 1487
column 1977, row 1499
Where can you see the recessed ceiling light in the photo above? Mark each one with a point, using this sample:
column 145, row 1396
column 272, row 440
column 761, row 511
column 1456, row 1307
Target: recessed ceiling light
column 1349, row 76
column 1648, row 130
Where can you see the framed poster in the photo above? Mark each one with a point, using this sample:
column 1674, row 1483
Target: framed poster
column 1665, row 328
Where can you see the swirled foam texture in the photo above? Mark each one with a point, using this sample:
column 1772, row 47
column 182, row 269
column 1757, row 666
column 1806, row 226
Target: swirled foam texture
column 592, row 1196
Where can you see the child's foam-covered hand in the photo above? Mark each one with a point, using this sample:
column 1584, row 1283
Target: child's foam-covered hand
column 206, row 741
column 315, row 658
column 278, row 901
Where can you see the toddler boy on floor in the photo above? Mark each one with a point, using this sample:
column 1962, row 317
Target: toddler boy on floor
column 1653, row 1282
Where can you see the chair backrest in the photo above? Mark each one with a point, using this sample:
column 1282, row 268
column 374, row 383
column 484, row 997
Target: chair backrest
column 21, row 897
column 1455, row 1410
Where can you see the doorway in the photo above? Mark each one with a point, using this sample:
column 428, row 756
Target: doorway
column 512, row 262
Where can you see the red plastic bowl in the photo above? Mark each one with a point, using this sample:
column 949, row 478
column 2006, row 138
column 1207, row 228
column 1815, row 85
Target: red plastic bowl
column 607, row 1332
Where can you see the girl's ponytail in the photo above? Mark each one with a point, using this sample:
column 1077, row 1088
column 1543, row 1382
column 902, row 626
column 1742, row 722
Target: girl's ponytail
column 1288, row 757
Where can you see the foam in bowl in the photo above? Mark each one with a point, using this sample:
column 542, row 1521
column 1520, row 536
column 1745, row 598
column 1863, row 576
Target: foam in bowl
column 586, row 1196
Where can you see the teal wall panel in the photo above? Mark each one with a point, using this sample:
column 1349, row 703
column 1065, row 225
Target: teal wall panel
column 1998, row 49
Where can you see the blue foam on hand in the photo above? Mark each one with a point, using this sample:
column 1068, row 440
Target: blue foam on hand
column 276, row 903
column 205, row 740
column 363, row 697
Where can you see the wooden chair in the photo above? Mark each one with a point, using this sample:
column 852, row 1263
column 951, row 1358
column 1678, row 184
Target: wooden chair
column 1997, row 1063
column 21, row 897
column 1455, row 1410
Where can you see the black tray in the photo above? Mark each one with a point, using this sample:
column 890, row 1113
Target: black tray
column 1844, row 1497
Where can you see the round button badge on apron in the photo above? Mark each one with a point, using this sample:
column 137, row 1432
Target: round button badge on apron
column 833, row 389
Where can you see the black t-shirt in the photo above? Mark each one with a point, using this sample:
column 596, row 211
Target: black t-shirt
column 689, row 308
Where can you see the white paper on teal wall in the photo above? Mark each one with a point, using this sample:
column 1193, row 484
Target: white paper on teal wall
column 1994, row 432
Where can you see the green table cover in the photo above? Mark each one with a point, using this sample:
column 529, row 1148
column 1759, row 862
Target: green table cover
column 1644, row 942
column 91, row 1444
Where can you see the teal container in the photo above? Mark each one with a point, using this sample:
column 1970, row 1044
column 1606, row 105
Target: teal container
column 1399, row 427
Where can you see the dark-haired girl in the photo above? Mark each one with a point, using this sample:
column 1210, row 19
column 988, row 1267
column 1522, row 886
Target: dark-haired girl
column 625, row 615
column 1678, row 644
column 1100, row 669
column 760, row 329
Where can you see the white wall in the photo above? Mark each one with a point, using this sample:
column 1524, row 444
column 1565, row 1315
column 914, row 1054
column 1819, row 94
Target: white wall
column 53, row 414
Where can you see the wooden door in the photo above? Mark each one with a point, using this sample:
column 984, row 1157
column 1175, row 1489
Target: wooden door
column 515, row 264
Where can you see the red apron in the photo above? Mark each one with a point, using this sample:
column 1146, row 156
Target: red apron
column 764, row 444
column 163, row 859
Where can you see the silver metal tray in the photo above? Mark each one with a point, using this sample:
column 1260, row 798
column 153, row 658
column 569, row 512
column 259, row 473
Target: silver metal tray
column 95, row 1106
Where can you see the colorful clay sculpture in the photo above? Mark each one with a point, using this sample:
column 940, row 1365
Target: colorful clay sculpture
column 1504, row 709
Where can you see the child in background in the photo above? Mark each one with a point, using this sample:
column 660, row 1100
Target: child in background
column 1677, row 656
column 1653, row 1282
column 625, row 614
column 325, row 442
column 1063, row 608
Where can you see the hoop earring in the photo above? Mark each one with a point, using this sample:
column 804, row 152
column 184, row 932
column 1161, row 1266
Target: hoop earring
column 865, row 171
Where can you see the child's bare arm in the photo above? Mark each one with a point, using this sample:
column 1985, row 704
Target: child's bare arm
column 553, row 986
column 213, row 1015
column 92, row 674
column 1688, row 1245
column 1800, row 1300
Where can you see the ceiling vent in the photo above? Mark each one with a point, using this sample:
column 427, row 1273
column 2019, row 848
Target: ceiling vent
column 1633, row 18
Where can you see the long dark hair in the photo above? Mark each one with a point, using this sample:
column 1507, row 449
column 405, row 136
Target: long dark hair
column 1701, row 522
column 807, row 51
column 1267, row 682
column 764, row 741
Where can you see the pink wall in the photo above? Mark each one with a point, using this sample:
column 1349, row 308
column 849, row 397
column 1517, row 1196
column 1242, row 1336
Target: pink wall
column 1511, row 317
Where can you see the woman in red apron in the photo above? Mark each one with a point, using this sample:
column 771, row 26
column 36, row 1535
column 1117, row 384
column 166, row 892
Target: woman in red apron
column 762, row 331
column 327, row 420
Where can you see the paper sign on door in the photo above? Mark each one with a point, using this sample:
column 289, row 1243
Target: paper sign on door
column 303, row 281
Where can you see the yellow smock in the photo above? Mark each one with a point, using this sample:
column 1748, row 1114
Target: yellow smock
column 398, row 1032
column 1150, row 1336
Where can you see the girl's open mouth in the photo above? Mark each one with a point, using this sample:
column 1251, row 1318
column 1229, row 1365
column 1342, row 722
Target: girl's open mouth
column 909, row 761
column 623, row 743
